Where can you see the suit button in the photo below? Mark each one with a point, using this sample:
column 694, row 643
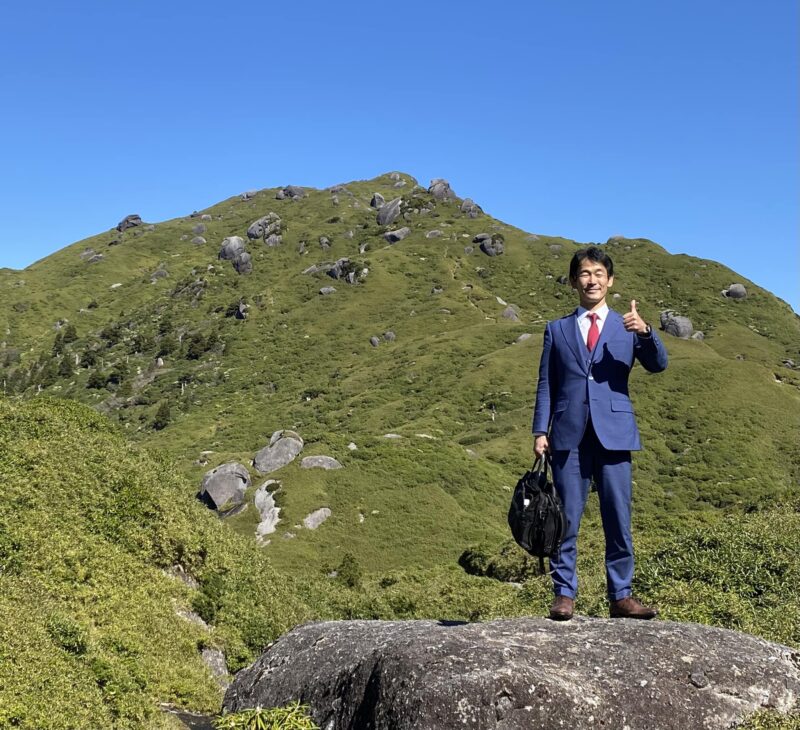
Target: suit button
column 591, row 377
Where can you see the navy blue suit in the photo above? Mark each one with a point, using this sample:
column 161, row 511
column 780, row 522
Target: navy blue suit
column 582, row 401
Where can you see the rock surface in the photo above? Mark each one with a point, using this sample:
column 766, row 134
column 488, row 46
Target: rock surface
column 225, row 485
column 319, row 462
column 283, row 447
column 387, row 214
column 520, row 674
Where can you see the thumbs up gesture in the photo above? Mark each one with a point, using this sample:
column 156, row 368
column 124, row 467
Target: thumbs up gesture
column 633, row 322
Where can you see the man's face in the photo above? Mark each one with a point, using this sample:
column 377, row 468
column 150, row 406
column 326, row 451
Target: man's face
column 592, row 283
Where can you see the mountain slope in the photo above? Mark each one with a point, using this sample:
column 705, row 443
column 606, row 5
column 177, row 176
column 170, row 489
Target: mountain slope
column 717, row 425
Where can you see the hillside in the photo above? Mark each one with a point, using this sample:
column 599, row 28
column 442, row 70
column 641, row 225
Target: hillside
column 448, row 374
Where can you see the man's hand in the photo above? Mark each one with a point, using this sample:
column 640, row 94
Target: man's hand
column 540, row 445
column 633, row 322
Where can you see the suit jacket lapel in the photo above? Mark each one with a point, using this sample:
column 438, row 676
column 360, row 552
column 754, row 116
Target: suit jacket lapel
column 612, row 324
column 569, row 328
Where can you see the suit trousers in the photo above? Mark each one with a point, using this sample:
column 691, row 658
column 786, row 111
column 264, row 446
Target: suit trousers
column 573, row 471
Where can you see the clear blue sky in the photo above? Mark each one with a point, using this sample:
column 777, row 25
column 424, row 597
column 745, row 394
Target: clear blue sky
column 673, row 121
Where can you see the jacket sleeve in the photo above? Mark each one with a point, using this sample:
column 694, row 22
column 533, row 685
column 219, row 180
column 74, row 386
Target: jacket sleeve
column 650, row 351
column 546, row 386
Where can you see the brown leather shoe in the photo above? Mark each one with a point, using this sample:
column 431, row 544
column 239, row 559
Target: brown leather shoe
column 562, row 608
column 631, row 607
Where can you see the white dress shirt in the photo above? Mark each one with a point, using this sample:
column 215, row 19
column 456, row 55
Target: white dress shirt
column 584, row 323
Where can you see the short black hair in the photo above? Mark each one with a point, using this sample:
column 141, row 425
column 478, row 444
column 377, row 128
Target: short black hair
column 593, row 254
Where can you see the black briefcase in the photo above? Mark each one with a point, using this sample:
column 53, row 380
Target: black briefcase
column 536, row 516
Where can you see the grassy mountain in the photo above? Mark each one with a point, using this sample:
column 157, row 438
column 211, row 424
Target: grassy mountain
column 98, row 506
column 717, row 425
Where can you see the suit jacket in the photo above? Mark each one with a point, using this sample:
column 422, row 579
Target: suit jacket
column 575, row 384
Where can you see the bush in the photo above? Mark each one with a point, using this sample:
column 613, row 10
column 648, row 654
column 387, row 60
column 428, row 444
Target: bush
column 292, row 717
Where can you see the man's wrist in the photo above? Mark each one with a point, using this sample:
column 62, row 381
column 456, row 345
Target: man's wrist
column 648, row 330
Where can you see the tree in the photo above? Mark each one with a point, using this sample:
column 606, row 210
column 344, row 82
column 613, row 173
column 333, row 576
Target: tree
column 96, row 380
column 349, row 571
column 64, row 367
column 163, row 416
column 70, row 333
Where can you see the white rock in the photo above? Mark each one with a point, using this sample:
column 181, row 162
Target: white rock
column 316, row 518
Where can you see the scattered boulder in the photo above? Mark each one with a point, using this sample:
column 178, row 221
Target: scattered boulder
column 468, row 206
column 206, row 217
column 398, row 235
column 378, row 201
column 441, row 190
column 158, row 274
column 238, row 310
column 394, row 175
column 319, row 462
column 327, row 290
column 199, row 228
column 292, row 192
column 524, row 336
column 243, row 263
column 520, row 674
column 283, row 447
column 231, row 247
column 198, row 240
column 343, row 269
column 87, row 253
column 481, row 237
column 495, row 246
column 265, row 504
column 214, row 659
column 324, row 243
column 676, row 325
column 436, row 233
column 224, row 486
column 564, row 279
column 129, row 221
column 374, row 341
column 316, row 518
column 555, row 248
column 510, row 313
column 248, row 194
column 388, row 213
column 735, row 291
column 273, row 240
column 698, row 335
column 264, row 226
column 95, row 259
column 389, row 336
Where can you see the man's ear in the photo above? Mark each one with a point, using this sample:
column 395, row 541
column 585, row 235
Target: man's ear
column 610, row 281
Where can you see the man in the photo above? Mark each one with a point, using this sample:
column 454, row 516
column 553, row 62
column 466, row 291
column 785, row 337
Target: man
column 582, row 403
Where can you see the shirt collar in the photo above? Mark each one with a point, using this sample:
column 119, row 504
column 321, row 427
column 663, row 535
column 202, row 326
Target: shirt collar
column 601, row 313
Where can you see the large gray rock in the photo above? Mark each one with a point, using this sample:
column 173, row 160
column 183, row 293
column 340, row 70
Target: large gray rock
column 735, row 291
column 243, row 262
column 129, row 221
column 283, row 447
column 520, row 674
column 494, row 246
column 316, row 518
column 389, row 211
column 231, row 247
column 224, row 486
column 676, row 325
column 264, row 226
column 441, row 190
column 319, row 462
column 378, row 201
column 398, row 235
column 469, row 207
column 269, row 511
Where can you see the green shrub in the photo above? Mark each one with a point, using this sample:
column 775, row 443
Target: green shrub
column 292, row 717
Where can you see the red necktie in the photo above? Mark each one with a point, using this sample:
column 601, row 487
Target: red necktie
column 594, row 332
